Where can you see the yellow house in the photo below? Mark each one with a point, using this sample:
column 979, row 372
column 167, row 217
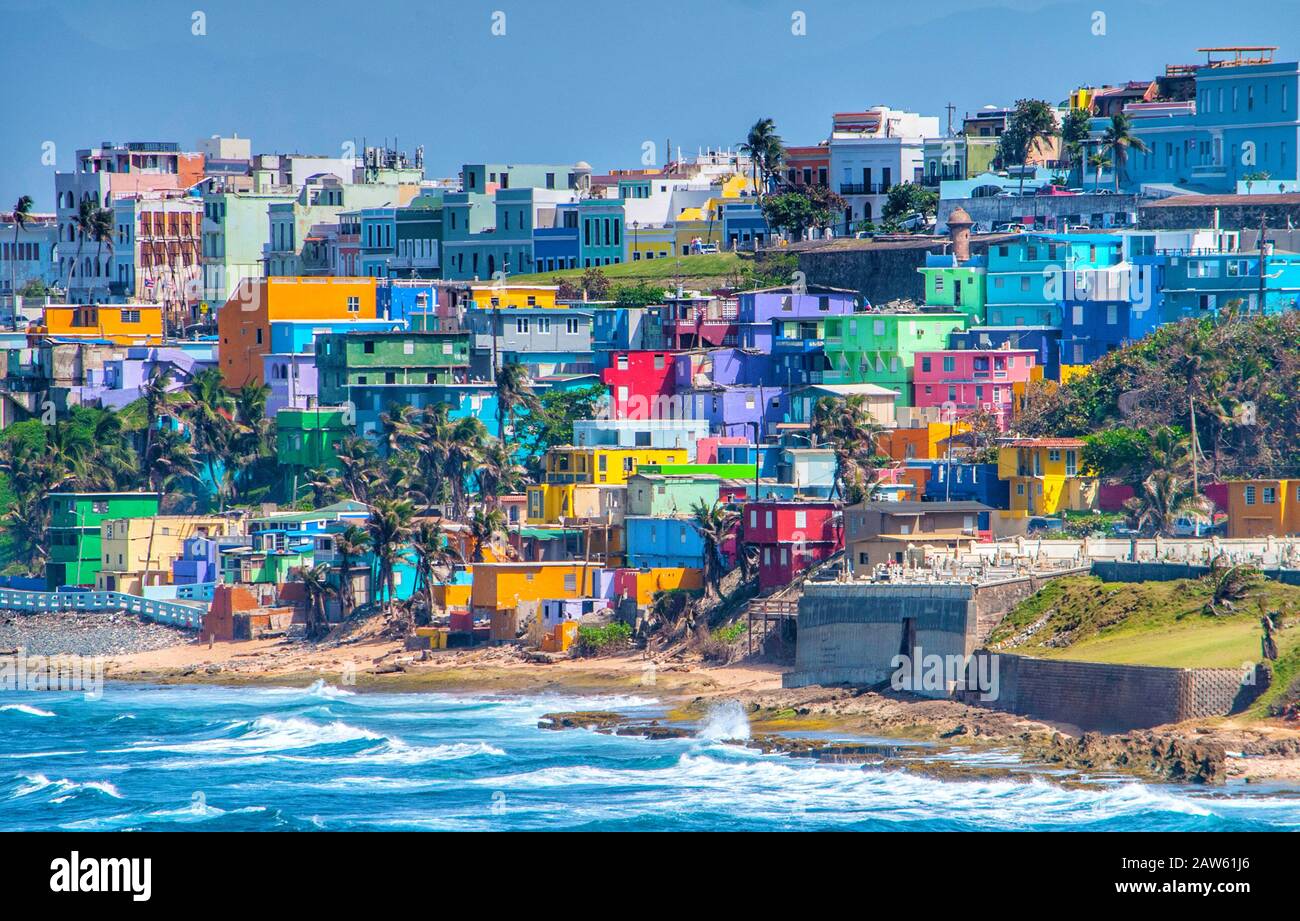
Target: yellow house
column 568, row 464
column 503, row 586
column 694, row 226
column 1046, row 476
column 121, row 324
column 1073, row 372
column 646, row 243
column 561, row 503
column 513, row 295
column 140, row 551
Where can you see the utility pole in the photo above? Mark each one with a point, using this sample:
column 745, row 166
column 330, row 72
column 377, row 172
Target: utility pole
column 1263, row 259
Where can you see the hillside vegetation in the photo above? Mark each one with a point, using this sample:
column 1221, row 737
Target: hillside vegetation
column 1242, row 375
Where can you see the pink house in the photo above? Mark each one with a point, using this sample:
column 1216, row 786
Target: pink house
column 972, row 379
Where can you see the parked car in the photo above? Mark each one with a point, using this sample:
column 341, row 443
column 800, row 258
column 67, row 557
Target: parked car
column 1041, row 525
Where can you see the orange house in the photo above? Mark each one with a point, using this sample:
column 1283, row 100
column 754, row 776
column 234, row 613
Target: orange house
column 121, row 324
column 244, row 321
column 1260, row 508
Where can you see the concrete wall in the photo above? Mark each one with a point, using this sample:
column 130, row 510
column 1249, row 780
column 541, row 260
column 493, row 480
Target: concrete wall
column 1241, row 215
column 1114, row 698
column 987, row 212
column 849, row 632
column 1120, row 571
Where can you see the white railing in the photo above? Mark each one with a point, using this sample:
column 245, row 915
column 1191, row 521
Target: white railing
column 187, row 616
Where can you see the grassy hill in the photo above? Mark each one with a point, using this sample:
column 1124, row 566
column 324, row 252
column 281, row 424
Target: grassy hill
column 1148, row 623
column 702, row 272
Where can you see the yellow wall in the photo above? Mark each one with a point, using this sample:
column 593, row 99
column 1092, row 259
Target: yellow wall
column 649, row 581
column 513, row 295
column 132, row 545
column 105, row 321
column 1039, row 484
column 501, row 586
column 1071, row 372
column 257, row 302
column 651, row 242
column 572, row 500
column 605, row 465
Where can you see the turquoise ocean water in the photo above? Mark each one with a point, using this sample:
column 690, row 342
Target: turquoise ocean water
column 247, row 759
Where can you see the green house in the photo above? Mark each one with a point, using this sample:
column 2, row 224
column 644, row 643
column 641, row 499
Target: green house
column 305, row 440
column 878, row 348
column 398, row 359
column 666, row 496
column 962, row 288
column 75, row 548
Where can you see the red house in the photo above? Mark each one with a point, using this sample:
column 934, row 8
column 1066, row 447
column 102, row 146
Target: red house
column 791, row 536
column 640, row 384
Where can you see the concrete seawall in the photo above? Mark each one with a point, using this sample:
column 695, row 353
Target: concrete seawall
column 850, row 632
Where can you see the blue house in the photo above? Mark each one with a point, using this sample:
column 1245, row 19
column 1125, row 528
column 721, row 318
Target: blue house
column 964, row 481
column 663, row 542
column 1240, row 123
column 396, row 300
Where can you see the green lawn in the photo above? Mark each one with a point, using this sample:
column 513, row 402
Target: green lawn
column 1148, row 623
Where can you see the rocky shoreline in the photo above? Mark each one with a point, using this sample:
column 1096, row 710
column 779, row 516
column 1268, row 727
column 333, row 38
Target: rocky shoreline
column 74, row 633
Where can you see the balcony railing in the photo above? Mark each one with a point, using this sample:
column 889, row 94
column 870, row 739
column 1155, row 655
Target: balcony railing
column 863, row 188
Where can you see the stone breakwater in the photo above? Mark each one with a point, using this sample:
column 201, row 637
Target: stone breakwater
column 84, row 634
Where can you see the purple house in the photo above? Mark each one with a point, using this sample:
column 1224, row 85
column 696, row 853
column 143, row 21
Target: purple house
column 737, row 410
column 200, row 559
column 757, row 309
column 728, row 367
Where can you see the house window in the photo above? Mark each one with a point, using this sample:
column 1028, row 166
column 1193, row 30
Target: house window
column 1269, row 495
column 354, row 305
column 1250, row 495
column 801, row 519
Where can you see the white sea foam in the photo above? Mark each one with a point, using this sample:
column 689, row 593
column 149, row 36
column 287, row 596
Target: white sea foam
column 65, row 788
column 25, row 708
column 266, row 734
column 726, row 721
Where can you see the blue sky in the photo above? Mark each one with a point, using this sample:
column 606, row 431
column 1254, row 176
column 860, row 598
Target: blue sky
column 570, row 79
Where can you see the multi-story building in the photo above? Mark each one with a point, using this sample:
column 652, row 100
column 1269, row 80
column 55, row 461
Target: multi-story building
column 157, row 254
column 546, row 341
column 140, row 552
column 963, row 382
column 121, row 324
column 757, row 310
column 28, row 256
column 791, row 537
column 102, row 175
column 244, row 322
column 76, row 551
column 870, row 153
column 234, row 235
column 1045, row 476
column 880, row 347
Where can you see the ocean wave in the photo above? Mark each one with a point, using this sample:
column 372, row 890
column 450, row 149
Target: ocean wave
column 264, row 735
column 64, row 788
column 27, row 709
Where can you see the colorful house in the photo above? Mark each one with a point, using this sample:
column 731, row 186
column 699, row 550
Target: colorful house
column 880, row 347
column 791, row 537
column 1045, row 476
column 965, row 382
column 120, row 324
column 244, row 322
column 1263, row 508
column 76, row 550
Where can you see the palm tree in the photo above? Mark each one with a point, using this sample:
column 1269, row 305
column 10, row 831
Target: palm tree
column 1161, row 499
column 154, row 394
column 1032, row 122
column 1098, row 161
column 485, row 525
column 389, row 528
column 849, row 428
column 514, row 392
column 1118, row 140
column 326, row 485
column 400, row 426
column 497, row 473
column 316, row 586
column 766, row 152
column 358, row 466
column 83, row 228
column 101, row 231
column 209, row 410
column 715, row 523
column 22, row 213
column 1074, row 137
column 349, row 545
column 171, row 463
column 432, row 552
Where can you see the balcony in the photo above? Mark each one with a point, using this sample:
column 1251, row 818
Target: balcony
column 863, row 188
